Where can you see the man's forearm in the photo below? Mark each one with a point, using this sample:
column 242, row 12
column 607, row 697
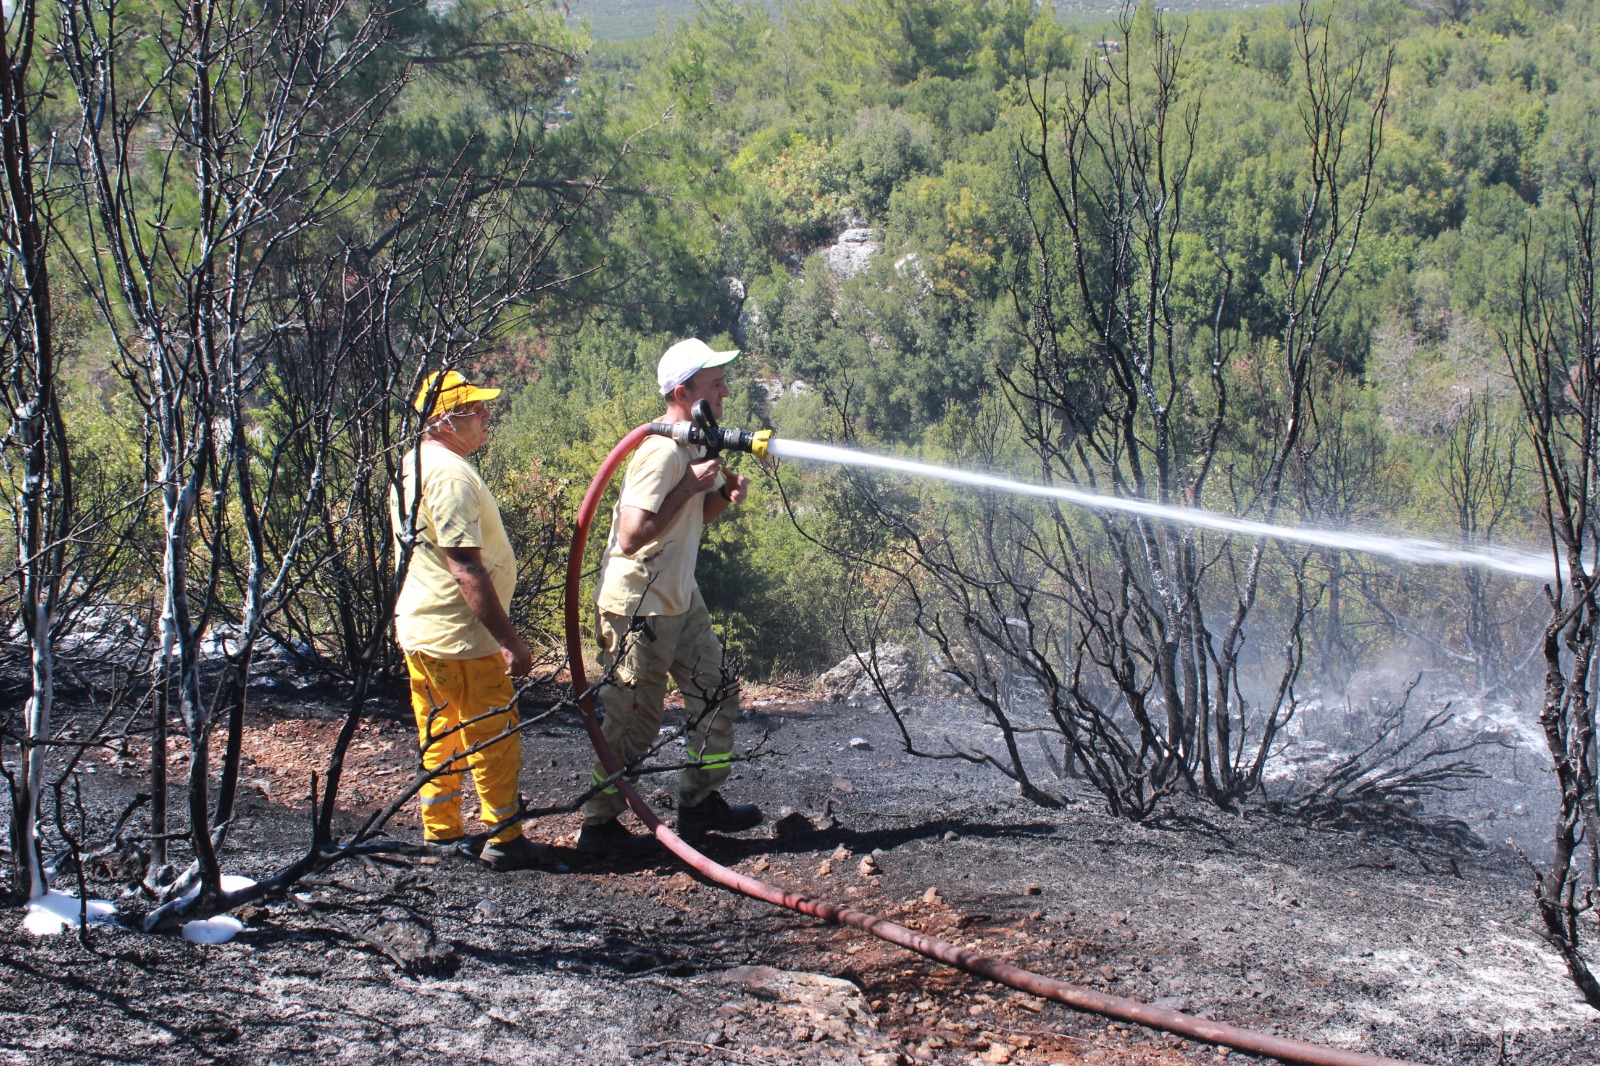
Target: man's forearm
column 477, row 588
column 715, row 504
column 478, row 592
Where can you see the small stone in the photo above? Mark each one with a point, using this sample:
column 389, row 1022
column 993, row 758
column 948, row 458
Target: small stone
column 715, row 1038
column 999, row 1053
column 488, row 910
column 868, row 867
column 826, row 868
column 951, row 834
column 860, row 743
column 1032, row 890
column 932, row 896
column 841, row 853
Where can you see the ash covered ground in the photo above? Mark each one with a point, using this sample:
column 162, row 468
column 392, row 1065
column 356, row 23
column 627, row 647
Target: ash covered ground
column 1369, row 937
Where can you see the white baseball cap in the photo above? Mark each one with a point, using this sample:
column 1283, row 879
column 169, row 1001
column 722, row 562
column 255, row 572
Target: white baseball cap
column 685, row 359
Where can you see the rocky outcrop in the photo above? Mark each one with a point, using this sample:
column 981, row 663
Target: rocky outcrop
column 848, row 682
column 852, row 252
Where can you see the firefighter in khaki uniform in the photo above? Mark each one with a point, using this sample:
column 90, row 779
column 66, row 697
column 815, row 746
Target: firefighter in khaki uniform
column 461, row 650
column 650, row 607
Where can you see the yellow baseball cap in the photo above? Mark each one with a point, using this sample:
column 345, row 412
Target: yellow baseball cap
column 449, row 391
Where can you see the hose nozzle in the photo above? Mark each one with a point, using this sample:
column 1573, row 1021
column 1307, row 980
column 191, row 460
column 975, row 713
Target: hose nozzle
column 704, row 431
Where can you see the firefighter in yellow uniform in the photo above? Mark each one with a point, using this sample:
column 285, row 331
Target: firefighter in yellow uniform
column 461, row 649
column 652, row 622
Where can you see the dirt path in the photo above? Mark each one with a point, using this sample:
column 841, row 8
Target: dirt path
column 1358, row 940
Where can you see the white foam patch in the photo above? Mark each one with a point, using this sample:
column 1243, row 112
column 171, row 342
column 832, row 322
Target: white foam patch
column 218, row 930
column 230, row 883
column 56, row 912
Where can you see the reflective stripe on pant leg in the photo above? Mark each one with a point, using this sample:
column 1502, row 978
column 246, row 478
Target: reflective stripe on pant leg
column 698, row 671
column 435, row 695
column 632, row 701
column 612, row 790
column 710, row 762
column 496, row 768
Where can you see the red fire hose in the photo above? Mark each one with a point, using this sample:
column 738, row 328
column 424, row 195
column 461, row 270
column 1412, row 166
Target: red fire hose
column 1075, row 996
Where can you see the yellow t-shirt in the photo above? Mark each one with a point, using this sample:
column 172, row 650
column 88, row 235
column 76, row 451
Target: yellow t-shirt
column 659, row 577
column 457, row 511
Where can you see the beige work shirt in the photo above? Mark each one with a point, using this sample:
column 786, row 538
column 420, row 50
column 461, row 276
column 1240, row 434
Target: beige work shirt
column 457, row 511
column 659, row 578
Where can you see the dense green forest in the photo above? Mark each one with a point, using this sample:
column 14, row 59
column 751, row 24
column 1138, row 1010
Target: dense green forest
column 693, row 182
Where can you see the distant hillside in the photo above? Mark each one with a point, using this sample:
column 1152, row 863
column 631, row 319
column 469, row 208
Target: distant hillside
column 627, row 20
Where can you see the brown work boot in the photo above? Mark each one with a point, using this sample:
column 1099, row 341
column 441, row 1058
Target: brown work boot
column 611, row 840
column 715, row 815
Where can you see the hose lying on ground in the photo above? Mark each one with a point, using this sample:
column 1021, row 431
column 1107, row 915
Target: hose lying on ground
column 1075, row 996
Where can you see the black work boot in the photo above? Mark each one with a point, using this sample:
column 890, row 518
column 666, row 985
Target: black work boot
column 714, row 814
column 518, row 853
column 612, row 840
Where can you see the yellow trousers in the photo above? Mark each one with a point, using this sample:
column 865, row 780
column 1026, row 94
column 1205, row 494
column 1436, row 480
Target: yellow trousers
column 685, row 648
column 446, row 696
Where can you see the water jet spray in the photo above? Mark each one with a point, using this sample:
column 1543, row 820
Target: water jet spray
column 1404, row 549
column 704, row 431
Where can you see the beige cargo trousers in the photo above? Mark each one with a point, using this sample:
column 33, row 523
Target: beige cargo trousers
column 685, row 648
